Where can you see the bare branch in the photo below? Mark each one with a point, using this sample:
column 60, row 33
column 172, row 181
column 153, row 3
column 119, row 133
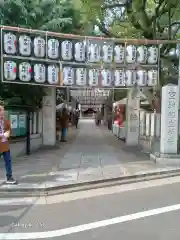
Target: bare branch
column 175, row 5
column 177, row 23
column 157, row 10
column 104, row 30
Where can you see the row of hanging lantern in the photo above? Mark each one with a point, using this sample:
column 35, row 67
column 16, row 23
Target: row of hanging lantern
column 39, row 73
column 96, row 99
column 87, row 106
column 26, row 72
column 109, row 78
column 78, row 51
column 93, row 103
column 131, row 77
column 92, row 93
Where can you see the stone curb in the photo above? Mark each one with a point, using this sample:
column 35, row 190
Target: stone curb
column 41, row 190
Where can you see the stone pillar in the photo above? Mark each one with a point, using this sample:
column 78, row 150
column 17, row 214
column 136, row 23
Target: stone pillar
column 142, row 122
column 49, row 117
column 148, row 124
column 158, row 125
column 169, row 119
column 132, row 119
column 153, row 121
column 40, row 121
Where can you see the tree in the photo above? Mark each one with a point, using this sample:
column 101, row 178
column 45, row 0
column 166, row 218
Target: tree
column 48, row 15
column 148, row 19
column 151, row 18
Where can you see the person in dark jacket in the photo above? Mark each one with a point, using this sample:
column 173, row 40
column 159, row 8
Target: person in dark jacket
column 110, row 121
column 98, row 118
column 76, row 118
column 64, row 120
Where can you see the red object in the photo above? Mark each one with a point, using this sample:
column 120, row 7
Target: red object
column 30, row 70
column 14, row 69
column 119, row 119
column 121, row 108
column 118, row 122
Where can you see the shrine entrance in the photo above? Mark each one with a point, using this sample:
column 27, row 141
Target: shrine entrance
column 91, row 69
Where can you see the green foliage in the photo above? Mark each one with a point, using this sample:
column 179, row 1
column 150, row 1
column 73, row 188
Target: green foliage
column 148, row 19
column 141, row 15
column 51, row 15
column 48, row 15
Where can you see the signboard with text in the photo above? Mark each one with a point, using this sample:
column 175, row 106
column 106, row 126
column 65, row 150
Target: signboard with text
column 169, row 119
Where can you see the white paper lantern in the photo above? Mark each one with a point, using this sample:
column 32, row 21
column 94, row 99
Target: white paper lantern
column 68, row 76
column 142, row 54
column 66, row 50
column 119, row 53
column 131, row 54
column 119, row 78
column 53, row 48
column 152, row 77
column 106, row 75
column 25, row 72
column 93, row 77
column 107, row 50
column 81, row 76
column 39, row 47
column 39, row 73
column 25, row 45
column 141, row 77
column 10, row 43
column 53, row 74
column 79, row 52
column 153, row 55
column 10, row 70
column 130, row 77
column 94, row 53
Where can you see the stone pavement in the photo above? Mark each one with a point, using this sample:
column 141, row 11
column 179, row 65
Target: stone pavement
column 92, row 153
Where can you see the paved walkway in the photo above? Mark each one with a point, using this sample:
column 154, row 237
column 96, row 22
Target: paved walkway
column 91, row 153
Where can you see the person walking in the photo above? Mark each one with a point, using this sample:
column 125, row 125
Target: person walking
column 5, row 131
column 64, row 120
column 109, row 120
column 98, row 117
column 76, row 118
